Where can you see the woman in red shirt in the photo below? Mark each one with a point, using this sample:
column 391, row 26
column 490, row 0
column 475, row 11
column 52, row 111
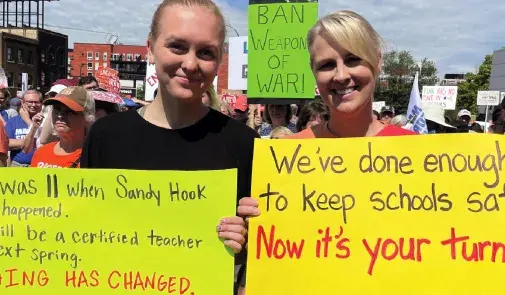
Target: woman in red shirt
column 73, row 112
column 346, row 59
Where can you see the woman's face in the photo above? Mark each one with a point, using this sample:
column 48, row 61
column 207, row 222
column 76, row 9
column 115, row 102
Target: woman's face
column 345, row 81
column 2, row 98
column 277, row 112
column 65, row 120
column 186, row 52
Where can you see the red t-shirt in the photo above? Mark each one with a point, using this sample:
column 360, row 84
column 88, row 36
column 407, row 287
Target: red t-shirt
column 4, row 140
column 320, row 131
column 45, row 157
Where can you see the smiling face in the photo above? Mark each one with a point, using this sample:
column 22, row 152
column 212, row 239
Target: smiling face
column 345, row 81
column 186, row 51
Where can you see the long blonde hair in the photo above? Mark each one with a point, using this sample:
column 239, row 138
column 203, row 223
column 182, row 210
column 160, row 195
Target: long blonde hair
column 354, row 33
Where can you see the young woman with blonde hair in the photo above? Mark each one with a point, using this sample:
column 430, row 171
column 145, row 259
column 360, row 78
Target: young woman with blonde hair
column 177, row 131
column 345, row 57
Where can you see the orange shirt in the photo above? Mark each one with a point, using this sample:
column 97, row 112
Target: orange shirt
column 320, row 131
column 45, row 157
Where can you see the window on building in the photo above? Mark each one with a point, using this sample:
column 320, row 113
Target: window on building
column 30, row 82
column 97, row 65
column 115, row 56
column 20, row 81
column 43, row 57
column 90, row 55
column 129, row 57
column 10, row 80
column 90, row 66
column 29, row 57
column 104, row 64
column 90, row 74
column 105, row 56
column 9, row 54
column 21, row 56
column 97, row 55
column 137, row 57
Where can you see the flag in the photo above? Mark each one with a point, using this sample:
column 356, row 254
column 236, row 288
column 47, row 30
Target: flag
column 415, row 114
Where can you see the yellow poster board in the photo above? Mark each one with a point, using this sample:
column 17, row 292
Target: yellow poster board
column 385, row 215
column 76, row 231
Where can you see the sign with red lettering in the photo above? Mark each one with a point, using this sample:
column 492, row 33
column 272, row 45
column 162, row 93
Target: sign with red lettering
column 446, row 96
column 398, row 215
column 108, row 79
column 78, row 231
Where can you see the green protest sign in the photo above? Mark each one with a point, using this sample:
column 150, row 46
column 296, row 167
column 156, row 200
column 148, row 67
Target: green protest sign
column 278, row 57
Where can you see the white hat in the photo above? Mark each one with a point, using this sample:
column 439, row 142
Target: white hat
column 57, row 88
column 435, row 113
column 464, row 112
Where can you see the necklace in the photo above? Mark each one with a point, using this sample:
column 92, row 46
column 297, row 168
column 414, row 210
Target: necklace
column 329, row 129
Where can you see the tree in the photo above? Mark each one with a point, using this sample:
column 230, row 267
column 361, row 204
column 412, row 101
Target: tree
column 475, row 82
column 398, row 72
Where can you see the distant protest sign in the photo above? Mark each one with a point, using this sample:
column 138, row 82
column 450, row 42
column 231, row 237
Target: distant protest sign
column 152, row 82
column 488, row 98
column 108, row 79
column 3, row 79
column 385, row 216
column 278, row 57
column 67, row 231
column 445, row 96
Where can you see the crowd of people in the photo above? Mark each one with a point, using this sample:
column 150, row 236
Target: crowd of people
column 188, row 127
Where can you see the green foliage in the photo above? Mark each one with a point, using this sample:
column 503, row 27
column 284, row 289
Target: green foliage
column 398, row 72
column 467, row 91
column 141, row 92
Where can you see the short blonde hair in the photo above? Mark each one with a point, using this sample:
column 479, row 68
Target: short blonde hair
column 354, row 33
column 280, row 132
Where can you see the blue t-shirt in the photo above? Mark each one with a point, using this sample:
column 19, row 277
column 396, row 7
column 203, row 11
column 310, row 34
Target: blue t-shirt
column 5, row 115
column 17, row 129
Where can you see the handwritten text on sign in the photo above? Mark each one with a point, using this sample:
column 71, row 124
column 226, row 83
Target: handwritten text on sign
column 398, row 215
column 72, row 231
column 278, row 58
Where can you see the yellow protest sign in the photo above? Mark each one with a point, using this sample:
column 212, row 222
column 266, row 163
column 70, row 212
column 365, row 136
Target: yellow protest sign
column 76, row 231
column 385, row 215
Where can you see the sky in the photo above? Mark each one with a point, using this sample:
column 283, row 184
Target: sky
column 455, row 34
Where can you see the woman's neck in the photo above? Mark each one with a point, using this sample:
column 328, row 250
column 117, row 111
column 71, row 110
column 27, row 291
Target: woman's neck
column 356, row 125
column 171, row 113
column 278, row 123
column 69, row 144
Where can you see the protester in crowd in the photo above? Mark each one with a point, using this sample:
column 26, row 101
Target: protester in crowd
column 434, row 114
column 276, row 115
column 72, row 113
column 387, row 114
column 225, row 109
column 186, row 45
column 345, row 56
column 280, row 132
column 254, row 118
column 498, row 119
column 399, row 120
column 14, row 106
column 89, row 83
column 4, row 105
column 106, row 103
column 465, row 116
column 4, row 146
column 241, row 109
column 312, row 113
column 42, row 130
column 18, row 127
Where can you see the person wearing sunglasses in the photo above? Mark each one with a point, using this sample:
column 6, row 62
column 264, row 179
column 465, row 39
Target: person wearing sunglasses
column 72, row 113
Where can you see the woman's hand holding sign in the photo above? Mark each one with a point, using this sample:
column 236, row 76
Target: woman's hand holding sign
column 233, row 231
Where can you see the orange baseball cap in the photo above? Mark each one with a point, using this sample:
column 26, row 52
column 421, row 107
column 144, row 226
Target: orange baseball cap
column 75, row 98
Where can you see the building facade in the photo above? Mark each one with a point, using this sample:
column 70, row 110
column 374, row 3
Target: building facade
column 452, row 79
column 49, row 56
column 497, row 81
column 128, row 60
column 18, row 56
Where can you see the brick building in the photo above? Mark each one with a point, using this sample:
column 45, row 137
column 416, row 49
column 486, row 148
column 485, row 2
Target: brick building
column 18, row 56
column 222, row 74
column 128, row 60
